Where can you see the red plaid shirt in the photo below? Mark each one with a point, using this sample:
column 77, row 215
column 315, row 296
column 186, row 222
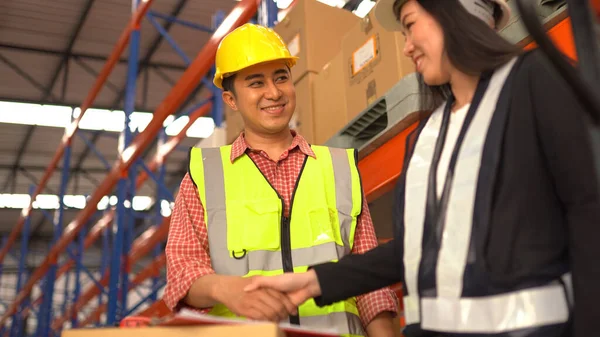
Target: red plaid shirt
column 187, row 252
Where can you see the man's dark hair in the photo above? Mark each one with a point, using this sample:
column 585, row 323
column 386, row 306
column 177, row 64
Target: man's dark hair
column 227, row 83
column 470, row 45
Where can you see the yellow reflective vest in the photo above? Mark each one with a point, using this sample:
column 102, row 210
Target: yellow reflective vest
column 249, row 235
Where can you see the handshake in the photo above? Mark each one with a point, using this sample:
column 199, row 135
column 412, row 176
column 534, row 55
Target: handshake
column 270, row 298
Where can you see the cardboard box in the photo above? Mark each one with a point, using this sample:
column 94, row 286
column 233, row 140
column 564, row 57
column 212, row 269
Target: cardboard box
column 250, row 330
column 313, row 31
column 330, row 113
column 374, row 63
column 303, row 120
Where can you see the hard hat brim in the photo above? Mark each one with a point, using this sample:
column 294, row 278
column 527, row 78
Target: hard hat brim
column 384, row 13
column 218, row 80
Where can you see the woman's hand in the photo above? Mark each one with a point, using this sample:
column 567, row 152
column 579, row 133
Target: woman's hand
column 299, row 287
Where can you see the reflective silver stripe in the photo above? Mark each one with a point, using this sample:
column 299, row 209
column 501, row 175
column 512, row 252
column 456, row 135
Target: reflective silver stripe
column 268, row 260
column 495, row 314
column 343, row 322
column 214, row 185
column 568, row 281
column 343, row 193
column 456, row 236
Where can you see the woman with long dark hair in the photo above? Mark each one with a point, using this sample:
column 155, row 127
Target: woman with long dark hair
column 497, row 213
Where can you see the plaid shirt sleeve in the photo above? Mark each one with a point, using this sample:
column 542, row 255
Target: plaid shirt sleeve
column 372, row 304
column 187, row 252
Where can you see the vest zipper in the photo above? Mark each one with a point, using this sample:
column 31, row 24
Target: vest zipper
column 286, row 254
column 286, row 243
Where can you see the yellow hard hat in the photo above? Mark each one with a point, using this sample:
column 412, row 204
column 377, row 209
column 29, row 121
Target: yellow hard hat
column 248, row 45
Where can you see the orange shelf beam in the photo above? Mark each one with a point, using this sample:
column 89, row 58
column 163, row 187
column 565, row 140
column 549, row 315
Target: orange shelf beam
column 381, row 168
column 596, row 6
column 561, row 35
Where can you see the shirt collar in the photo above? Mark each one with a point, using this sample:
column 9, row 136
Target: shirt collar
column 239, row 146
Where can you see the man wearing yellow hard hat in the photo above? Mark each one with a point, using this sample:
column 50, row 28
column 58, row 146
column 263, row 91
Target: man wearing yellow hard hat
column 267, row 204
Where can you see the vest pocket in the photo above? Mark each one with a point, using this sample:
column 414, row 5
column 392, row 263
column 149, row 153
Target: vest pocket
column 253, row 225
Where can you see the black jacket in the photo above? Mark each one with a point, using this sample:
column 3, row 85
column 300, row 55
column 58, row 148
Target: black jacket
column 543, row 195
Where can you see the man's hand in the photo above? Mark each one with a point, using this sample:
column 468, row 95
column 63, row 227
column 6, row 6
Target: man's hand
column 299, row 287
column 260, row 304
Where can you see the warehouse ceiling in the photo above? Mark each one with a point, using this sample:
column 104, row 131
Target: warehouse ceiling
column 51, row 53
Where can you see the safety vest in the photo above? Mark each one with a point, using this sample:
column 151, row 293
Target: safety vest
column 249, row 234
column 440, row 262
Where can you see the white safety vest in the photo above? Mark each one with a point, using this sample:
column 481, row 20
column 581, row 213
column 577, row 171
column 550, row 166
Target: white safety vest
column 447, row 310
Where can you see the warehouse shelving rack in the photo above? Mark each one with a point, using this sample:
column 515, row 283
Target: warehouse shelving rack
column 121, row 247
column 380, row 166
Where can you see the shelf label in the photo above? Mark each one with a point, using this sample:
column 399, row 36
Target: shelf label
column 364, row 55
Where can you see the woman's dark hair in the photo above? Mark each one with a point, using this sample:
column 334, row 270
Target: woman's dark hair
column 470, row 45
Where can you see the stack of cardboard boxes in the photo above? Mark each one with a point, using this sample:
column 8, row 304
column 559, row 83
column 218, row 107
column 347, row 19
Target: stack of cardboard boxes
column 313, row 31
column 345, row 64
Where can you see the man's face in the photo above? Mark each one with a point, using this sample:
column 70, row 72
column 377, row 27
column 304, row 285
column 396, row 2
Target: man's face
column 265, row 96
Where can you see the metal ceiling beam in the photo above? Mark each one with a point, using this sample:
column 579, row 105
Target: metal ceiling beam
column 86, row 67
column 24, row 74
column 88, row 177
column 14, row 167
column 94, row 57
column 35, row 180
column 87, row 150
column 69, row 49
column 164, row 76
